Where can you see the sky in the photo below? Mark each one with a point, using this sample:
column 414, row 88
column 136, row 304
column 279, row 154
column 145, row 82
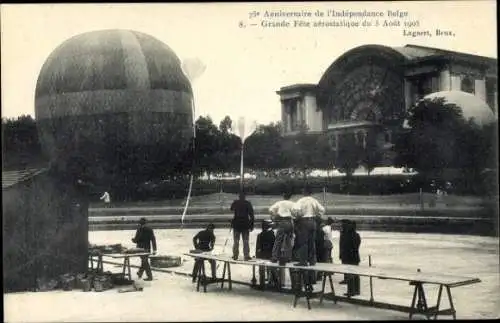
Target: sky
column 244, row 66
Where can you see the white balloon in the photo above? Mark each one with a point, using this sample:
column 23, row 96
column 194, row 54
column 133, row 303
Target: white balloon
column 245, row 129
column 193, row 68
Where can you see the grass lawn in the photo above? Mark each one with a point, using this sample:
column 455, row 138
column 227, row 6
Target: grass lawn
column 224, row 200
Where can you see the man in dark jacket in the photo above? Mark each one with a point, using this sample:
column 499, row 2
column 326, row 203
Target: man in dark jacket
column 342, row 238
column 349, row 254
column 144, row 238
column 242, row 224
column 205, row 241
column 264, row 248
column 265, row 241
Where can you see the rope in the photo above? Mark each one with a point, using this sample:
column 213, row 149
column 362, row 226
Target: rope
column 192, row 166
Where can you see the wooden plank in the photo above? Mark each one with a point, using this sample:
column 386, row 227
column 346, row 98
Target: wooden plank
column 364, row 302
column 125, row 255
column 377, row 272
column 465, row 283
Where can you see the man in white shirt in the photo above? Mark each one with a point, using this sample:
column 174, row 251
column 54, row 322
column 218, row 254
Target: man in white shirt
column 328, row 240
column 281, row 214
column 306, row 209
column 106, row 198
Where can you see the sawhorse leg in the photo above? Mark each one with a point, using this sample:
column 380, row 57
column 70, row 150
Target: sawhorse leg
column 254, row 280
column 230, row 282
column 194, row 274
column 202, row 279
column 126, row 267
column 332, row 288
column 100, row 266
column 224, row 269
column 262, row 277
column 438, row 301
column 304, row 281
column 419, row 302
column 450, row 299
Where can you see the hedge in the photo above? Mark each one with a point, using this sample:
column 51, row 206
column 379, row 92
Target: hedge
column 357, row 185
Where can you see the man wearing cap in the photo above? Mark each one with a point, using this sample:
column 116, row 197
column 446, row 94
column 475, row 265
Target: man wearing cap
column 144, row 238
column 264, row 248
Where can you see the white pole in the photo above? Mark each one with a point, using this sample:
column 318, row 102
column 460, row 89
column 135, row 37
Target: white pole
column 371, row 278
column 241, row 165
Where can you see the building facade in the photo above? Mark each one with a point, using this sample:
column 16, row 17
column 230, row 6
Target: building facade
column 368, row 90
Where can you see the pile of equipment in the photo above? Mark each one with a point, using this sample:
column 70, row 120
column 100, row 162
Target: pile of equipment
column 159, row 261
column 86, row 282
column 106, row 249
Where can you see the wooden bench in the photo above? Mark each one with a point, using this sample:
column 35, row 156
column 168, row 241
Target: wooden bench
column 126, row 261
column 303, row 287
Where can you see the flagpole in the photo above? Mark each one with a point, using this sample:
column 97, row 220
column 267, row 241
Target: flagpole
column 241, row 165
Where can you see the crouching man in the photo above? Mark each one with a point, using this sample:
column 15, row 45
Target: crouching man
column 204, row 241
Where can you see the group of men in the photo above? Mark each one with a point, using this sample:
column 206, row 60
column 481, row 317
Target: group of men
column 301, row 235
column 290, row 217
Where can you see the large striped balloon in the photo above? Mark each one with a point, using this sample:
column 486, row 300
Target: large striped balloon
column 112, row 92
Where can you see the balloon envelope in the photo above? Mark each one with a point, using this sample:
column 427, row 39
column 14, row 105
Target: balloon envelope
column 105, row 94
column 472, row 107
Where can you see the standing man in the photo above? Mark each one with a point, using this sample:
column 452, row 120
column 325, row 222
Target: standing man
column 242, row 224
column 343, row 244
column 281, row 214
column 328, row 240
column 264, row 248
column 307, row 208
column 144, row 238
column 106, row 198
column 350, row 256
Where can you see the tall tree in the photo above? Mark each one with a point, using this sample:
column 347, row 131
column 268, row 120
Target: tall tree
column 264, row 148
column 226, row 125
column 206, row 145
column 349, row 154
column 371, row 153
column 302, row 152
column 20, row 143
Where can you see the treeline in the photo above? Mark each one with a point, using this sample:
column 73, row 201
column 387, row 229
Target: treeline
column 20, row 144
column 357, row 185
column 438, row 143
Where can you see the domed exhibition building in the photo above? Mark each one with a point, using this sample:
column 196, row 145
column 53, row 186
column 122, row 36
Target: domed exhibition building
column 367, row 91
